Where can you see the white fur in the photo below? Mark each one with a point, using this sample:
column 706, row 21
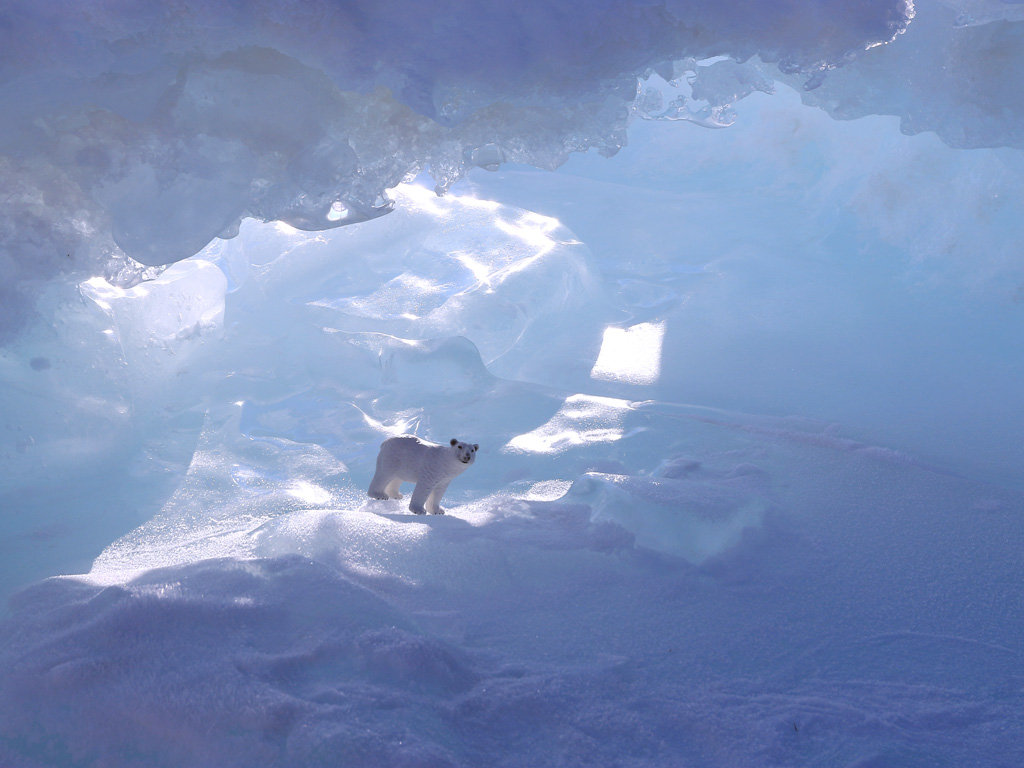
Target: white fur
column 429, row 465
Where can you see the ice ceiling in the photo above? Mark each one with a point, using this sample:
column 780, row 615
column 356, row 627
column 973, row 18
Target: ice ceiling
column 136, row 135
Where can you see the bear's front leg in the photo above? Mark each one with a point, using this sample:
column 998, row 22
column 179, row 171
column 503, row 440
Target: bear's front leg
column 420, row 495
column 434, row 501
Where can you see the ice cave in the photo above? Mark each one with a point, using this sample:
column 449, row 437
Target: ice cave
column 730, row 294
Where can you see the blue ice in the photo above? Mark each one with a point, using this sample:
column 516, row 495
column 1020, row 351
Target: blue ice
column 749, row 488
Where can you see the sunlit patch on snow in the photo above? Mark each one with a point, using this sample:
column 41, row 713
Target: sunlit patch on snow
column 533, row 229
column 547, row 490
column 407, row 295
column 417, row 198
column 308, row 493
column 630, row 355
column 582, row 420
column 481, row 272
column 183, row 300
column 476, row 202
column 377, row 540
column 165, row 591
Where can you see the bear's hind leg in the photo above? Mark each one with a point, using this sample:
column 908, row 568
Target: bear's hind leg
column 383, row 487
column 420, row 495
column 377, row 490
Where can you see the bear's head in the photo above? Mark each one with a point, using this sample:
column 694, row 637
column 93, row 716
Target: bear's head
column 464, row 452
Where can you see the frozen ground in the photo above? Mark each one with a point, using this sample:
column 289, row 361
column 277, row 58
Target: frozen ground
column 749, row 489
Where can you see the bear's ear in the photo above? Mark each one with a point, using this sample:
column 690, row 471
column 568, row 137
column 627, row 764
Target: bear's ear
column 476, row 447
column 454, row 441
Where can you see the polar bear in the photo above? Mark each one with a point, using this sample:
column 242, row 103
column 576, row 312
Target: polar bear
column 429, row 465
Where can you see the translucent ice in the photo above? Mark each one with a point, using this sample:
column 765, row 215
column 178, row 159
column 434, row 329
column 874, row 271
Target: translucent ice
column 749, row 488
column 145, row 135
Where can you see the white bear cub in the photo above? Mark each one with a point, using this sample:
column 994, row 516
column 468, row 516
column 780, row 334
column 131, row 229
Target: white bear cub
column 429, row 465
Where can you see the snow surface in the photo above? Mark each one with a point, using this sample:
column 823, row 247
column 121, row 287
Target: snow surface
column 750, row 488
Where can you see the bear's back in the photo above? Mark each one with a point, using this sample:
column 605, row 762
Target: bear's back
column 409, row 453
